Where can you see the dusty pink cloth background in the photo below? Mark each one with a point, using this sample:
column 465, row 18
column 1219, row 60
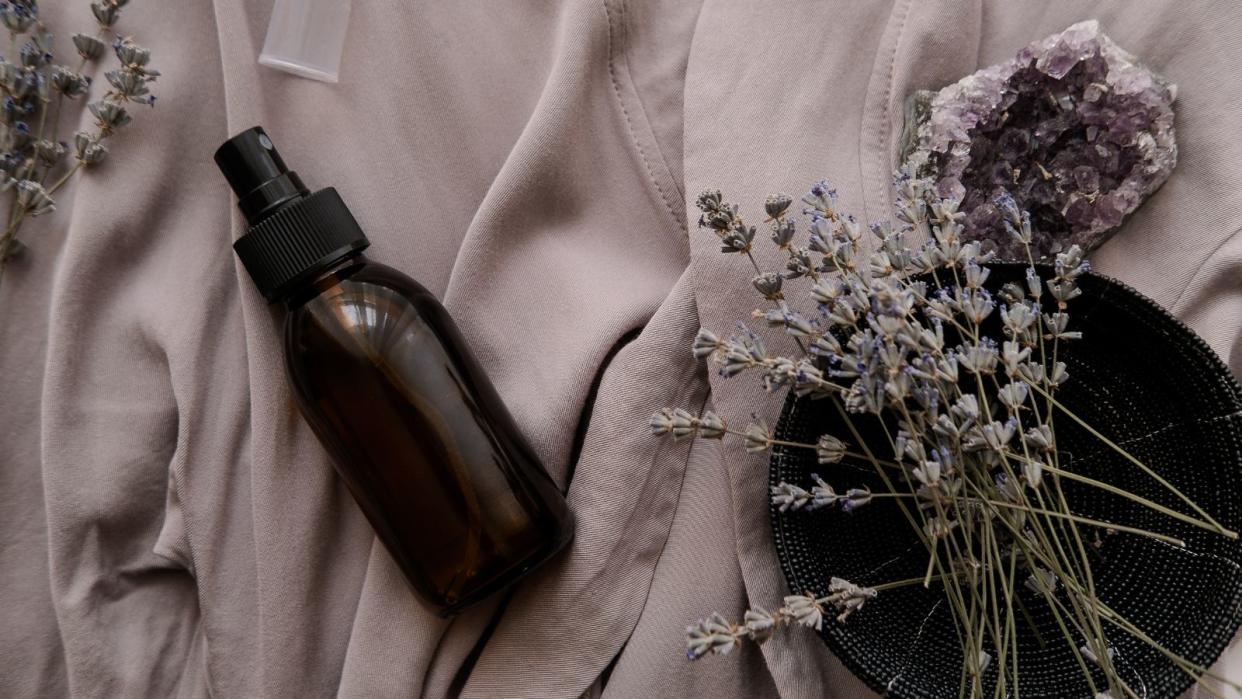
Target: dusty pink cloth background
column 168, row 525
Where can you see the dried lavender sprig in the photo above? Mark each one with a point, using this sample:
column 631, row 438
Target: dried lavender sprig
column 717, row 636
column 987, row 440
column 680, row 423
column 27, row 86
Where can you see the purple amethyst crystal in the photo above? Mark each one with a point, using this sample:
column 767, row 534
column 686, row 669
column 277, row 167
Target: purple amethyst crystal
column 1073, row 127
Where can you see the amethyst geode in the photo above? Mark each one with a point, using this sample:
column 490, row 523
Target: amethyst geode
column 1073, row 127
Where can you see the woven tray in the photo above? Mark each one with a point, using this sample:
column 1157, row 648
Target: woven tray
column 1138, row 376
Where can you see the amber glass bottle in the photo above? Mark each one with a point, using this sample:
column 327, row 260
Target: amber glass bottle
column 385, row 380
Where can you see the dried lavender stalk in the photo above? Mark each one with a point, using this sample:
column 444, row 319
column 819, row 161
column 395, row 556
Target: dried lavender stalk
column 34, row 90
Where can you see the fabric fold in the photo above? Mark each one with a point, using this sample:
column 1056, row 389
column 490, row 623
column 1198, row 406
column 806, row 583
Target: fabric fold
column 128, row 386
column 580, row 609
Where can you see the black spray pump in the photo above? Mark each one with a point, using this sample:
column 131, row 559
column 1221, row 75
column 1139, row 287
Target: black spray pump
column 384, row 378
column 294, row 235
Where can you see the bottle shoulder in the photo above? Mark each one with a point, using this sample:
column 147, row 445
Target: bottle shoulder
column 359, row 281
column 371, row 272
column 367, row 300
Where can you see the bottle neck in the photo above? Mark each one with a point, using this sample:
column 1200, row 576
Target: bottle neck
column 272, row 196
column 331, row 276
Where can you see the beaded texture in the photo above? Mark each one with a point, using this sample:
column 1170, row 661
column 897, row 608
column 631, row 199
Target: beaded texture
column 1150, row 384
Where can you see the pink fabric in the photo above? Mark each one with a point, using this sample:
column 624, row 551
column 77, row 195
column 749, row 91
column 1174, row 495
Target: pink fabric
column 168, row 525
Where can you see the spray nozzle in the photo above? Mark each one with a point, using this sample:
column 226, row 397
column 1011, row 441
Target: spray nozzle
column 258, row 175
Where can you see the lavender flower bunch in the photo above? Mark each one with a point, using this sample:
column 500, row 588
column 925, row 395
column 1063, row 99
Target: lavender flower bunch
column 35, row 89
column 896, row 331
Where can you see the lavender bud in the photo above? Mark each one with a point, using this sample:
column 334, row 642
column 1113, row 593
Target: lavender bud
column 757, row 437
column 783, row 232
column 773, row 317
column 848, row 597
column 1033, row 284
column 1056, row 324
column 804, row 610
column 683, row 423
column 759, row 624
column 720, row 220
column 106, row 13
column 1063, row 290
column 829, row 449
column 711, row 635
column 787, row 497
column 928, row 473
column 661, row 422
column 737, row 240
column 1033, row 472
column 710, row 200
column 711, row 426
column 69, row 83
column 706, row 342
column 132, row 56
column 822, row 494
column 18, row 17
column 976, row 275
column 768, row 285
column 128, row 84
column 33, row 198
column 776, row 205
column 48, row 152
column 1040, row 437
column 799, row 264
column 109, row 115
column 796, row 325
column 1012, row 293
column 89, row 47
column 34, row 55
column 1013, row 395
column 855, row 498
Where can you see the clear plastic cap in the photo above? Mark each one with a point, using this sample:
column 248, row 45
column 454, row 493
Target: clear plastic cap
column 306, row 38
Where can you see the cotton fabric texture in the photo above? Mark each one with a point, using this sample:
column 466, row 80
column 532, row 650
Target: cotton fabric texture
column 170, row 527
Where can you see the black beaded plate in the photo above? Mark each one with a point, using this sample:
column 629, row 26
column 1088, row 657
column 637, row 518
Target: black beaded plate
column 1150, row 384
